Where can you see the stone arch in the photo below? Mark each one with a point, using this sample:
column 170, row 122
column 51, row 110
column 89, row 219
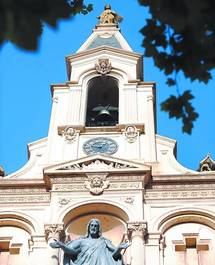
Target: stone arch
column 112, row 217
column 102, row 101
column 120, row 76
column 180, row 216
column 20, row 220
column 187, row 236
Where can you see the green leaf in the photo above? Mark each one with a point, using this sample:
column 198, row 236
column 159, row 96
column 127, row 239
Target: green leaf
column 180, row 107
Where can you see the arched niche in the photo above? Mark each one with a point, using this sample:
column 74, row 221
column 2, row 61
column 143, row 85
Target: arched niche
column 189, row 243
column 189, row 237
column 102, row 101
column 113, row 221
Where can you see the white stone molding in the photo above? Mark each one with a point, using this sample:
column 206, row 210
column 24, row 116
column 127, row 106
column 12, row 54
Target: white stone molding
column 181, row 215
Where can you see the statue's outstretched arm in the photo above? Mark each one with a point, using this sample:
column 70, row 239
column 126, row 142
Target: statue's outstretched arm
column 68, row 249
column 116, row 254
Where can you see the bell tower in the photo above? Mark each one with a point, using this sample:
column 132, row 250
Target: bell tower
column 102, row 159
column 105, row 101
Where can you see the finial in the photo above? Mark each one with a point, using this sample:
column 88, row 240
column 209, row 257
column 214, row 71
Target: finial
column 109, row 16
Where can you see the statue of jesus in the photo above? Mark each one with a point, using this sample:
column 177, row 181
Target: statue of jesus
column 92, row 249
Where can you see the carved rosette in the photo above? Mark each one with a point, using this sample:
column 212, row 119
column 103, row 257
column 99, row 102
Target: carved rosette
column 54, row 231
column 136, row 229
column 96, row 184
column 103, row 66
column 69, row 134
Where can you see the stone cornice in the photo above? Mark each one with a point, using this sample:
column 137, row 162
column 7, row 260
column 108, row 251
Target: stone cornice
column 21, row 183
column 198, row 177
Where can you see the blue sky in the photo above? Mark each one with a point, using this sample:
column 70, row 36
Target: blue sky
column 25, row 98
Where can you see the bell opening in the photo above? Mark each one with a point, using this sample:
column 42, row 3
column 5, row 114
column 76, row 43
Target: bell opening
column 102, row 102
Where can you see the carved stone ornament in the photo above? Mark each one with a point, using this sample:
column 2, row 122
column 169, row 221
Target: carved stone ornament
column 131, row 133
column 63, row 201
column 96, row 165
column 136, row 228
column 129, row 200
column 96, row 184
column 70, row 134
column 103, row 66
column 54, row 231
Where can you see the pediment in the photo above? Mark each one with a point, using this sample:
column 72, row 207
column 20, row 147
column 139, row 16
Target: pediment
column 96, row 163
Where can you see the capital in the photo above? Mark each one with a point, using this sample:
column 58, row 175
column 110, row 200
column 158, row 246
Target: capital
column 136, row 229
column 54, row 231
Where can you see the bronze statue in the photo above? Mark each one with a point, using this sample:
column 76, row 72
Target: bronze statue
column 92, row 249
column 109, row 16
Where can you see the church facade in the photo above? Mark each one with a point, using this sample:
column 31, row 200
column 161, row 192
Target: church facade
column 103, row 159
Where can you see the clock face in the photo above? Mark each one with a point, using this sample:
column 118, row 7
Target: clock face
column 100, row 145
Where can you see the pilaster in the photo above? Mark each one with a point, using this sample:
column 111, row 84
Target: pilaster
column 153, row 249
column 136, row 233
column 53, row 232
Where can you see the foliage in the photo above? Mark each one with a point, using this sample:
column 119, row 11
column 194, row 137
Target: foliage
column 21, row 21
column 181, row 108
column 180, row 36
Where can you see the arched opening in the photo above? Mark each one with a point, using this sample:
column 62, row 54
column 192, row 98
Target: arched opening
column 102, row 102
column 113, row 221
column 189, row 238
column 189, row 243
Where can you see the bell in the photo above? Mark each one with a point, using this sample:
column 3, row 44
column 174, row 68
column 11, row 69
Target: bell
column 104, row 115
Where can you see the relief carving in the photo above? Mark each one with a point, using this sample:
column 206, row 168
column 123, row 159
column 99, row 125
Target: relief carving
column 131, row 133
column 96, row 184
column 25, row 199
column 103, row 66
column 129, row 200
column 70, row 134
column 63, row 201
column 136, row 228
column 180, row 194
column 54, row 231
column 96, row 165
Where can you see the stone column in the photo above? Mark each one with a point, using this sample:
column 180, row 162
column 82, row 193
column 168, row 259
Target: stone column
column 153, row 249
column 53, row 232
column 136, row 233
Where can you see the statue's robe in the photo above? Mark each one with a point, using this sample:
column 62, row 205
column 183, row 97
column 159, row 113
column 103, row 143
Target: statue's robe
column 91, row 251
